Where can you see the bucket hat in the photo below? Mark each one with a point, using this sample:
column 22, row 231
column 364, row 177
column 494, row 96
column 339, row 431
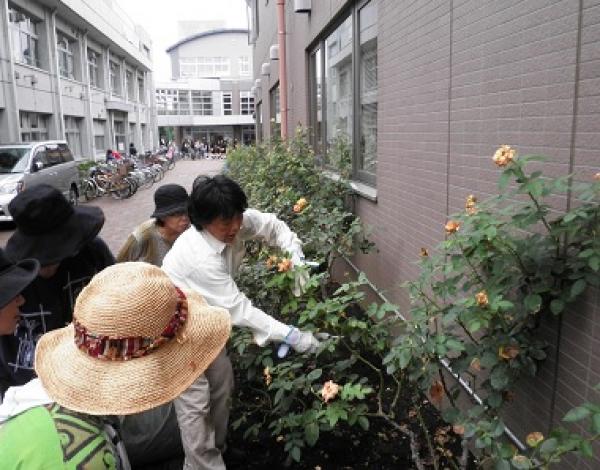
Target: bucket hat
column 15, row 277
column 49, row 228
column 170, row 199
column 136, row 342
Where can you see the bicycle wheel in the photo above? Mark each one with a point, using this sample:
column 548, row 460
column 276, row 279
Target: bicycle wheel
column 89, row 189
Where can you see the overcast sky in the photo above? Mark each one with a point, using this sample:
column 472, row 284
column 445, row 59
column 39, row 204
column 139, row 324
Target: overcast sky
column 159, row 18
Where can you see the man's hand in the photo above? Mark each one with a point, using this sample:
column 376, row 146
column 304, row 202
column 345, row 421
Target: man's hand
column 305, row 342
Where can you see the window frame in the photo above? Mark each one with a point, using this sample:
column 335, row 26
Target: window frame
column 66, row 58
column 247, row 106
column 93, row 67
column 320, row 143
column 26, row 127
column 227, row 101
column 116, row 76
column 30, row 32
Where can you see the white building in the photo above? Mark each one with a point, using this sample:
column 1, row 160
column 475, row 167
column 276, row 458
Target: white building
column 210, row 95
column 75, row 70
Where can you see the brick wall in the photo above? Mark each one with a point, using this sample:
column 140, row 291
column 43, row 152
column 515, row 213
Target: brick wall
column 456, row 79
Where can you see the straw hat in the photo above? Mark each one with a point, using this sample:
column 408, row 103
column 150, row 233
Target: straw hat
column 136, row 342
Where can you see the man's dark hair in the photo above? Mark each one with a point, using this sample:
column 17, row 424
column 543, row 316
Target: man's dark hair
column 214, row 197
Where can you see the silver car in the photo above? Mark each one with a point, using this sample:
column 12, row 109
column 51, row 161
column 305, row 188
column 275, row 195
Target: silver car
column 27, row 164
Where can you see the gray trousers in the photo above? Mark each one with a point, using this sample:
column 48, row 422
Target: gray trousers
column 203, row 415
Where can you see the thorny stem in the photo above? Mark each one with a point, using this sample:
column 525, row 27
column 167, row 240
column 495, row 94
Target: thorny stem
column 446, row 391
column 434, row 458
column 376, row 369
column 475, row 272
column 397, row 394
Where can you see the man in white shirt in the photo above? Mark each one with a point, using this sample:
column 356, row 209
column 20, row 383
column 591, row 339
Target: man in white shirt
column 205, row 258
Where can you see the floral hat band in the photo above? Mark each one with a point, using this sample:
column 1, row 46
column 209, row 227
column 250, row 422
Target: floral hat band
column 125, row 348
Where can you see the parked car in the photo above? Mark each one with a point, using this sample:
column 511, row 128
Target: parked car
column 27, row 164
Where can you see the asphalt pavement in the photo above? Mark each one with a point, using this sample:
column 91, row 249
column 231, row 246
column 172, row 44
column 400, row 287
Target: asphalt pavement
column 123, row 215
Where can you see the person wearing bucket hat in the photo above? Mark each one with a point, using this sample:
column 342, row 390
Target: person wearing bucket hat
column 14, row 278
column 136, row 352
column 63, row 239
column 205, row 258
column 154, row 435
column 151, row 240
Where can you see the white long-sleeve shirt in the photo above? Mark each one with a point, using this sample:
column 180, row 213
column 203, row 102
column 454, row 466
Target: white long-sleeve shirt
column 200, row 262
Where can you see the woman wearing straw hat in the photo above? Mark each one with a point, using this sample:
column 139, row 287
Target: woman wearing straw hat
column 137, row 351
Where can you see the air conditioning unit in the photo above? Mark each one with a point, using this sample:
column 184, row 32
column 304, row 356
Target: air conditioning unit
column 257, row 83
column 265, row 69
column 302, row 6
column 274, row 52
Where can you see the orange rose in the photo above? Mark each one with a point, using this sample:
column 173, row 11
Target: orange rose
column 476, row 364
column 284, row 265
column 534, row 439
column 297, row 209
column 330, row 390
column 271, row 261
column 508, row 352
column 424, row 253
column 452, row 226
column 482, row 299
column 504, row 155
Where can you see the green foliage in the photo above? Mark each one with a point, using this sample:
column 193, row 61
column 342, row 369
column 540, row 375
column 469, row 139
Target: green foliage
column 481, row 294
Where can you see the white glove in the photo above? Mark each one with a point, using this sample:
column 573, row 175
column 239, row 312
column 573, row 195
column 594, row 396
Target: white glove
column 301, row 275
column 306, row 343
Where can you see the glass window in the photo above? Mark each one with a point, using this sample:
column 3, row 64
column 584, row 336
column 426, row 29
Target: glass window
column 244, row 65
column 64, row 48
column 34, row 126
column 202, row 103
column 227, row 104
column 120, row 132
column 343, row 94
column 275, row 114
column 204, row 67
column 246, row 103
column 338, row 80
column 73, row 133
column 130, row 85
column 184, row 102
column 99, row 131
column 115, row 78
column 93, row 67
column 141, row 90
column 24, row 35
column 367, row 20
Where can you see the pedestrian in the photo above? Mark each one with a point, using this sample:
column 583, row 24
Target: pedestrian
column 63, row 239
column 14, row 278
column 205, row 258
column 151, row 240
column 132, row 150
column 130, row 354
column 153, row 436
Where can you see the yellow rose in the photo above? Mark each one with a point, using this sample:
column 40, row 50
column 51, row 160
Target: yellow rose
column 482, row 299
column 452, row 226
column 508, row 352
column 424, row 253
column 534, row 439
column 504, row 155
column 329, row 391
column 284, row 265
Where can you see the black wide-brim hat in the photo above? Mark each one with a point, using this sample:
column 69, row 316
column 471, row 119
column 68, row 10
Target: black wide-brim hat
column 49, row 228
column 14, row 278
column 170, row 199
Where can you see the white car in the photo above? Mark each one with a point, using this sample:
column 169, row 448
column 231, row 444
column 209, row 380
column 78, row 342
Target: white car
column 27, row 164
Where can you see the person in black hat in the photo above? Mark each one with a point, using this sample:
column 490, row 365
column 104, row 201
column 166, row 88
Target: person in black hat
column 63, row 239
column 151, row 240
column 14, row 278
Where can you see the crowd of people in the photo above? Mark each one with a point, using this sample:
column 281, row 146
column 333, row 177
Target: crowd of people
column 121, row 363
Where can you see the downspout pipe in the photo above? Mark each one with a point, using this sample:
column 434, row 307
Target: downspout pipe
column 283, row 84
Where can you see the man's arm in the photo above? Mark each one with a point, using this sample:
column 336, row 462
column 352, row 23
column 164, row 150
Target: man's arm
column 214, row 283
column 273, row 231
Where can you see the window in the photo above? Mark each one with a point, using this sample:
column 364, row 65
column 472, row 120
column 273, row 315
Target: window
column 99, row 131
column 166, row 101
column 34, row 126
column 120, row 133
column 64, row 48
column 246, row 103
column 130, row 85
column 202, row 103
column 73, row 133
column 141, row 90
column 227, row 104
column 115, row 78
column 244, row 65
column 275, row 113
column 24, row 34
column 343, row 94
column 204, row 67
column 93, row 67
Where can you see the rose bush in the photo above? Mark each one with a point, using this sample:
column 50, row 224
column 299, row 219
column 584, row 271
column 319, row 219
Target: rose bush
column 506, row 262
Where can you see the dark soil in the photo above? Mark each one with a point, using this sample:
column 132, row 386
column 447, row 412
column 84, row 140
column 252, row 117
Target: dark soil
column 382, row 447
